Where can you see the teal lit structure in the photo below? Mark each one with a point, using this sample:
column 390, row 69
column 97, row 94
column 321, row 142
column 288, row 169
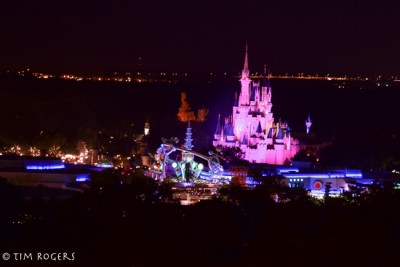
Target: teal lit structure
column 184, row 164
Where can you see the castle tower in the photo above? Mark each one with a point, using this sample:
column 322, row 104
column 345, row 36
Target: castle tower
column 308, row 124
column 218, row 131
column 245, row 81
column 252, row 127
column 245, row 71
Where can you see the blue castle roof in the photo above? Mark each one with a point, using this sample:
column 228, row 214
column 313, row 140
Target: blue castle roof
column 244, row 140
column 259, row 129
column 229, row 130
column 219, row 129
column 270, row 133
column 280, row 133
column 253, row 93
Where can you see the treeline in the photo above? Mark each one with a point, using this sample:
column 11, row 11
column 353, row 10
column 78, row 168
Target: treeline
column 136, row 223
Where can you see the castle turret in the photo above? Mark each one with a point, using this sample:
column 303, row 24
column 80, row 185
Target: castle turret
column 259, row 129
column 244, row 141
column 245, row 81
column 279, row 146
column 279, row 135
column 217, row 134
column 230, row 136
column 245, row 71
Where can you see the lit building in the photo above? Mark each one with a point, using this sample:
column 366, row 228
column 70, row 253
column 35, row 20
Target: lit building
column 316, row 181
column 44, row 172
column 252, row 126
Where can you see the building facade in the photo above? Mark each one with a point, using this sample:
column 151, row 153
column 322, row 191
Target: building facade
column 252, row 126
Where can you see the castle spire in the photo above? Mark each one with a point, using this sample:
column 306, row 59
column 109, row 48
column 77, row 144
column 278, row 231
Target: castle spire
column 245, row 71
column 264, row 81
column 218, row 130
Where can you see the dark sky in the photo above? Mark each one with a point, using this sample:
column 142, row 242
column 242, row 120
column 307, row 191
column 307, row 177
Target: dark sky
column 361, row 37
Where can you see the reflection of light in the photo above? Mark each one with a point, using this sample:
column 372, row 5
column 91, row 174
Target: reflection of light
column 174, row 164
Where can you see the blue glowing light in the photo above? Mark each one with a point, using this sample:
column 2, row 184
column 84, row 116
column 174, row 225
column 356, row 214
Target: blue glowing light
column 45, row 167
column 82, row 179
column 186, row 184
column 324, row 176
column 105, row 165
column 287, row 169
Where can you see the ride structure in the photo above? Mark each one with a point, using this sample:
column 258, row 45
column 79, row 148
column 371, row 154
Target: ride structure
column 185, row 165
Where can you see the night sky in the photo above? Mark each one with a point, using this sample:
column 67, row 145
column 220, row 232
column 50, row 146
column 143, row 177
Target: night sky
column 314, row 37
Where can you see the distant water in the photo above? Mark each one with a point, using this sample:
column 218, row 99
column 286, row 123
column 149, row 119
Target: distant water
column 351, row 114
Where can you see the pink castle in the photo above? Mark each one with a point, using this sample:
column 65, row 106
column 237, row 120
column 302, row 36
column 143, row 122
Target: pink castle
column 252, row 126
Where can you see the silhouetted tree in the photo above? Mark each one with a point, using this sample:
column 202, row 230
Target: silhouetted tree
column 11, row 201
column 328, row 187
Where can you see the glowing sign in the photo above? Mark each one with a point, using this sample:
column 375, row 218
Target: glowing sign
column 105, row 165
column 45, row 167
column 317, row 185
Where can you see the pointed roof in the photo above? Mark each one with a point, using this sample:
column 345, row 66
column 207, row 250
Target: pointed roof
column 280, row 133
column 219, row 129
column 259, row 129
column 246, row 58
column 270, row 133
column 229, row 130
column 245, row 71
column 244, row 140
column 253, row 93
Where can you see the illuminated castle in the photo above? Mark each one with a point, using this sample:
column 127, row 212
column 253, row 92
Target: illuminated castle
column 252, row 126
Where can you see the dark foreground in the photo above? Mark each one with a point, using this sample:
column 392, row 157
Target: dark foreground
column 132, row 225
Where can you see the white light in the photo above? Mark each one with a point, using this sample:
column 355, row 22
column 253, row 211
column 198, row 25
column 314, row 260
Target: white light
column 201, row 166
